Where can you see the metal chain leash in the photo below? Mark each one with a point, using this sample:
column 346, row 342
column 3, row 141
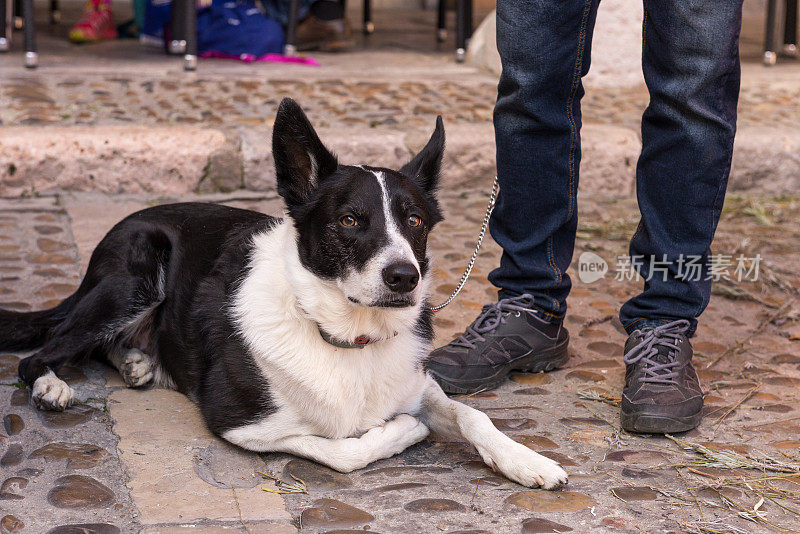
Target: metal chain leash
column 481, row 234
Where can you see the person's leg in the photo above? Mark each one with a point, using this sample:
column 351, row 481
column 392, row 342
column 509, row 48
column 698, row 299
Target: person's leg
column 544, row 47
column 691, row 66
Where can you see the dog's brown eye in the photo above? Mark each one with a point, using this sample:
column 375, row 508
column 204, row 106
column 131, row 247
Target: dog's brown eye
column 414, row 221
column 348, row 220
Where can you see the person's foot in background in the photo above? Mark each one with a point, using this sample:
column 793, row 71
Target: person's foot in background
column 325, row 28
column 96, row 23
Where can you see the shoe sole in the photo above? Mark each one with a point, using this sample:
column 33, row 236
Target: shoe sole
column 542, row 361
column 658, row 424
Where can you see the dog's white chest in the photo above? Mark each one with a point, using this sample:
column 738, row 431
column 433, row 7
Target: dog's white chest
column 326, row 390
column 344, row 392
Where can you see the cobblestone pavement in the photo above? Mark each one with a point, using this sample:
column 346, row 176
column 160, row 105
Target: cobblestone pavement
column 396, row 78
column 142, row 459
column 58, row 467
column 768, row 98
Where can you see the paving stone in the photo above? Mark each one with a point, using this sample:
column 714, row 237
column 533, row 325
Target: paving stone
column 71, row 374
column 12, row 488
column 433, row 506
column 537, row 525
column 786, row 358
column 536, row 442
column 9, row 523
column 592, row 437
column 399, row 487
column 531, row 379
column 601, row 364
column 331, row 513
column 20, row 397
column 401, row 470
column 85, row 528
column 616, row 523
column 585, row 376
column 315, row 475
column 551, row 501
column 636, row 456
column 72, row 416
column 47, row 229
column 513, row 425
column 786, row 444
column 531, row 391
column 13, row 455
column 785, row 381
column 635, row 493
column 562, row 459
column 80, row 491
column 605, row 348
column 160, row 431
column 225, row 466
column 13, row 424
column 490, row 481
column 78, row 455
column 8, row 367
column 639, row 474
column 582, row 421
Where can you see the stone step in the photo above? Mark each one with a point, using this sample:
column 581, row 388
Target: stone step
column 182, row 159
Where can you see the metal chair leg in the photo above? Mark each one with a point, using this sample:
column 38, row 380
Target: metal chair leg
column 368, row 27
column 770, row 57
column 55, row 12
column 468, row 19
column 461, row 30
column 790, row 29
column 31, row 56
column 17, row 11
column 177, row 25
column 190, row 34
column 290, row 48
column 441, row 21
column 5, row 25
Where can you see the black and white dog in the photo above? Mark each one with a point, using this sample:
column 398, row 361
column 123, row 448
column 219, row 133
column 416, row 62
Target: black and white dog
column 304, row 335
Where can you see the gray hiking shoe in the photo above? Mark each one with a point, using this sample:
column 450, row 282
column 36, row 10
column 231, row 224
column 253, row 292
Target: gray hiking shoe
column 507, row 336
column 662, row 391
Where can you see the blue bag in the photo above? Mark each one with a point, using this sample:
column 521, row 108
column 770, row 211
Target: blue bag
column 237, row 28
column 228, row 28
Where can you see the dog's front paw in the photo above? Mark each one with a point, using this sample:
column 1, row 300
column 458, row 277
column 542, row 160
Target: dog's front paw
column 136, row 369
column 51, row 393
column 522, row 465
column 397, row 435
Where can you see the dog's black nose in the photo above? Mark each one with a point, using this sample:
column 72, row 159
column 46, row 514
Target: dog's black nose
column 401, row 276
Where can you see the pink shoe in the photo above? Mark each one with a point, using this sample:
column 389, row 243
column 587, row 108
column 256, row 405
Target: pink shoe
column 96, row 23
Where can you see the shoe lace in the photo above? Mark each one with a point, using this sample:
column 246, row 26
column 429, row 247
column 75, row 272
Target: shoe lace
column 660, row 366
column 492, row 316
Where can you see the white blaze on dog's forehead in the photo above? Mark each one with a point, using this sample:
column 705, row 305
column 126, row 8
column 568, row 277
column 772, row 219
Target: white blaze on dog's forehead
column 399, row 248
column 312, row 178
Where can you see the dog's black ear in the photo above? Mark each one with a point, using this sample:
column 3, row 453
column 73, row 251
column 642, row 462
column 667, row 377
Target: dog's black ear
column 425, row 167
column 301, row 160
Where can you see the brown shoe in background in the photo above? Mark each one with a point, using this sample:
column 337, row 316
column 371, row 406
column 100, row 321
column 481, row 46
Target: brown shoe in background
column 324, row 35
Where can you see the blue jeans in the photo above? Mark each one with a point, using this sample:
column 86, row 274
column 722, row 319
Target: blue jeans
column 691, row 66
